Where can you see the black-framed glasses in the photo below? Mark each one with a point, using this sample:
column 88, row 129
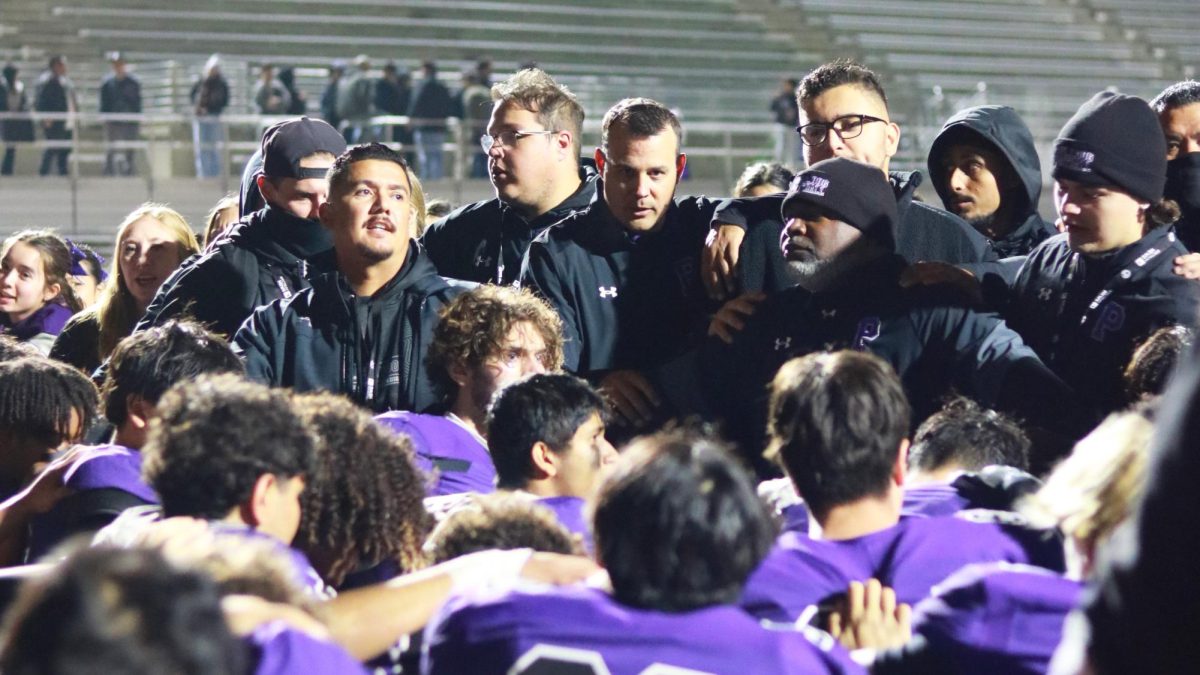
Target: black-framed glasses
column 505, row 139
column 846, row 127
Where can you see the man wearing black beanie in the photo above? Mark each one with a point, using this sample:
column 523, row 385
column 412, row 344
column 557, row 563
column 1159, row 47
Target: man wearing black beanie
column 1085, row 298
column 839, row 243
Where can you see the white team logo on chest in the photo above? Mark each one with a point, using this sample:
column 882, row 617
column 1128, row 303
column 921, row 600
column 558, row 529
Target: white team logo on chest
column 608, row 291
column 783, row 343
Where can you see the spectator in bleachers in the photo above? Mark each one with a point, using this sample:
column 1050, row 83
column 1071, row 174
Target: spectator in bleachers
column 546, row 436
column 107, row 478
column 838, row 425
column 13, row 100
column 87, row 275
column 763, row 178
column 223, row 215
column 367, row 324
column 120, row 92
column 329, row 96
column 985, row 168
column 210, row 96
column 483, row 71
column 271, row 97
column 486, row 339
column 787, row 116
column 151, row 243
column 56, row 94
column 431, row 105
column 671, row 493
column 268, row 255
column 1178, row 108
column 843, row 113
column 533, row 146
column 36, row 298
column 623, row 273
column 1084, row 298
column 298, row 104
column 475, row 104
column 356, row 101
column 393, row 95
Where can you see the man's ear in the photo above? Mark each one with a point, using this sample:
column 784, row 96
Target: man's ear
column 257, row 510
column 544, row 459
column 893, row 138
column 458, row 374
column 680, row 163
column 600, row 159
column 264, row 186
column 900, row 470
column 138, row 411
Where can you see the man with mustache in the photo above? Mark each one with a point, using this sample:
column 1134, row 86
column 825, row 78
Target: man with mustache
column 362, row 329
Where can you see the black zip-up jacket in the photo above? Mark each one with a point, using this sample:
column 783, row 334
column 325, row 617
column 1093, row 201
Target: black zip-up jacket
column 1001, row 128
column 485, row 242
column 1084, row 315
column 627, row 302
column 266, row 256
column 370, row 349
column 923, row 233
column 932, row 341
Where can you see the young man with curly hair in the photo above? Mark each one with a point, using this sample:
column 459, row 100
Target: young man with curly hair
column 486, row 339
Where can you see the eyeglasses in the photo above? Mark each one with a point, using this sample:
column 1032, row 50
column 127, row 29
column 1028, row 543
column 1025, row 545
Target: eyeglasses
column 505, row 139
column 846, row 127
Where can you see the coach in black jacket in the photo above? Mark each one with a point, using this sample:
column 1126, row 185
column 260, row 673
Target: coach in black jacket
column 363, row 329
column 623, row 274
column 269, row 254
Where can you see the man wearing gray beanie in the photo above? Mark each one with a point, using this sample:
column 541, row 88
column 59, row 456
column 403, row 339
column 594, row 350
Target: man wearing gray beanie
column 839, row 242
column 1085, row 298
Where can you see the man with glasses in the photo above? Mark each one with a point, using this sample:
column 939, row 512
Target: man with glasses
column 843, row 113
column 623, row 274
column 533, row 145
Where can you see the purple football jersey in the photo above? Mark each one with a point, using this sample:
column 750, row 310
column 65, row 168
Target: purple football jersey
column 305, row 574
column 569, row 511
column 448, row 452
column 110, row 467
column 276, row 649
column 578, row 630
column 911, row 557
column 996, row 618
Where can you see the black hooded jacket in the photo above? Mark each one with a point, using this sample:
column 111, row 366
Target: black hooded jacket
column 1002, row 129
column 370, row 349
column 925, row 233
column 264, row 257
column 485, row 242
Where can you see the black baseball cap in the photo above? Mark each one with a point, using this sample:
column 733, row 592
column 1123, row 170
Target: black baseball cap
column 288, row 142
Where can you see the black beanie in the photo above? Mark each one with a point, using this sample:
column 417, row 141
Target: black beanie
column 1114, row 140
column 855, row 193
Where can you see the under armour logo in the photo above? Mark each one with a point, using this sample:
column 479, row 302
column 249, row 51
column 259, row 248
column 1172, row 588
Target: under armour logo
column 608, row 291
column 814, row 185
column 1044, row 294
column 483, row 261
column 783, row 343
column 1074, row 158
column 828, row 313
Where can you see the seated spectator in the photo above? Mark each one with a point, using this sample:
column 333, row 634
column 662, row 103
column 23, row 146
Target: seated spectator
column 44, row 406
column 671, row 493
column 87, row 273
column 546, row 436
column 107, row 479
column 152, row 242
column 498, row 521
column 486, row 338
column 362, row 520
column 1156, row 360
column 995, row 618
column 838, row 424
column 35, row 291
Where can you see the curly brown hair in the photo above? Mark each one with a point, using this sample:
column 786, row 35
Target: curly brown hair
column 474, row 325
column 501, row 520
column 363, row 503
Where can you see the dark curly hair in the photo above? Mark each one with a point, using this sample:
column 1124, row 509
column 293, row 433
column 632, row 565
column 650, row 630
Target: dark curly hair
column 1155, row 360
column 363, row 502
column 212, row 440
column 474, row 325
column 501, row 520
column 148, row 363
column 966, row 435
column 40, row 397
column 110, row 610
